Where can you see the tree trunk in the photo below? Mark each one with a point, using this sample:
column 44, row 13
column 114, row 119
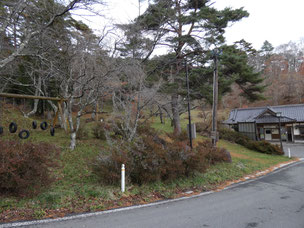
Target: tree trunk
column 73, row 140
column 74, row 132
column 64, row 117
column 70, row 116
column 161, row 115
column 55, row 109
column 35, row 108
column 175, row 113
column 37, row 93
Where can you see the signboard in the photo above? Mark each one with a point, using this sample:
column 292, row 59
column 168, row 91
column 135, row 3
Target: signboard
column 193, row 131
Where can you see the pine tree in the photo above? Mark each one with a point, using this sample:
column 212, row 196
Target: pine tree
column 236, row 67
column 266, row 49
column 187, row 28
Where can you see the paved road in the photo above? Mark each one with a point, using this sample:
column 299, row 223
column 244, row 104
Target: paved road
column 296, row 149
column 273, row 201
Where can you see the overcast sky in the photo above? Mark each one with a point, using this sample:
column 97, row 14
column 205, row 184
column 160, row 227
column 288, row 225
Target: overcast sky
column 277, row 21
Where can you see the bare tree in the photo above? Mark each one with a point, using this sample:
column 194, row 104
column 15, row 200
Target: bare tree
column 19, row 19
column 130, row 96
column 86, row 79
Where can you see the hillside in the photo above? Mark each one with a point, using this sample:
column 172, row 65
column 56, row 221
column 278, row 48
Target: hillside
column 77, row 189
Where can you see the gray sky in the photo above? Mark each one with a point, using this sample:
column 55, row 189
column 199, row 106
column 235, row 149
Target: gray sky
column 277, row 21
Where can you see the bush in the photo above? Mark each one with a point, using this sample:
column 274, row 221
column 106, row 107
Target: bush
column 99, row 130
column 260, row 146
column 108, row 168
column 82, row 132
column 203, row 128
column 25, row 167
column 233, row 136
column 151, row 158
column 265, row 147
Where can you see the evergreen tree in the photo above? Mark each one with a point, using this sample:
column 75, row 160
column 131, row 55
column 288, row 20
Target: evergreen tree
column 187, row 28
column 233, row 68
column 266, row 49
column 237, row 70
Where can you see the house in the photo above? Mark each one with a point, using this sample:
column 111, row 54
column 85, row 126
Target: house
column 262, row 123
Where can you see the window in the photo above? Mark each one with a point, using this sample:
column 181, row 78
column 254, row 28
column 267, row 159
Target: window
column 301, row 130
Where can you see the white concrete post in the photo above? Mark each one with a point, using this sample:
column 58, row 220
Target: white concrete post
column 123, row 178
column 289, row 155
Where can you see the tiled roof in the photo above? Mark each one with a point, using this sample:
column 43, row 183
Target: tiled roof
column 289, row 113
column 273, row 119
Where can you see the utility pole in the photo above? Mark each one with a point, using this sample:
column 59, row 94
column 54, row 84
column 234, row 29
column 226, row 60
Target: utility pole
column 189, row 109
column 279, row 114
column 214, row 133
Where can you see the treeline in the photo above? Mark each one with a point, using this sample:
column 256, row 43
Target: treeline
column 282, row 69
column 46, row 52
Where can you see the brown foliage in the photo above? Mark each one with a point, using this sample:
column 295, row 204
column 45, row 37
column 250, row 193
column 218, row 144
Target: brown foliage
column 82, row 132
column 99, row 130
column 25, row 167
column 151, row 159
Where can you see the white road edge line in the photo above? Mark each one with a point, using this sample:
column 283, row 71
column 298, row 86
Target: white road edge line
column 100, row 212
column 86, row 215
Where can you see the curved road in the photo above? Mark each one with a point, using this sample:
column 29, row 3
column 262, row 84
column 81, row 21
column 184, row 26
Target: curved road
column 275, row 201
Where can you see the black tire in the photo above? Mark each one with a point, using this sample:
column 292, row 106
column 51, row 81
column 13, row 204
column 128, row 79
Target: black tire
column 12, row 127
column 52, row 131
column 43, row 125
column 1, row 130
column 34, row 124
column 24, row 134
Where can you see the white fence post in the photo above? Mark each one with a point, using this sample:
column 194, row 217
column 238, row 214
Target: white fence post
column 289, row 155
column 123, row 178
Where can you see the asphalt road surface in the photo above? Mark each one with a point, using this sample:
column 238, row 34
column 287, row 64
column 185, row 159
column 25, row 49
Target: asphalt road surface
column 296, row 149
column 273, row 201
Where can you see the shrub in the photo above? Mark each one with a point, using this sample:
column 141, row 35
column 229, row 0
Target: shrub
column 216, row 155
column 201, row 127
column 25, row 167
column 233, row 136
column 182, row 137
column 82, row 132
column 204, row 128
column 99, row 130
column 260, row 146
column 117, row 128
column 107, row 168
column 150, row 158
column 265, row 147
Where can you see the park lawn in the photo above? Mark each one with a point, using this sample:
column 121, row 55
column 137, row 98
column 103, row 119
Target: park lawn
column 77, row 190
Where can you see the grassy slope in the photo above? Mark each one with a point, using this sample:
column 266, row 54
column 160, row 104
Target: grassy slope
column 77, row 190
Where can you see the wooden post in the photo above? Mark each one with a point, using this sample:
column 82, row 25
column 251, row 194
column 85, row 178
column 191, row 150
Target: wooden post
column 292, row 132
column 59, row 110
column 22, row 96
column 55, row 118
column 256, row 131
column 281, row 144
